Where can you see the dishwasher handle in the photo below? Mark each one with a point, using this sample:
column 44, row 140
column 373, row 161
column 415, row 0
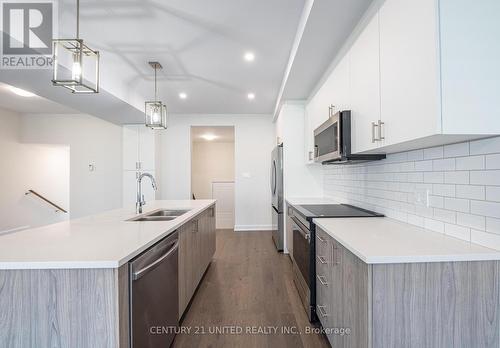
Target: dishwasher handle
column 137, row 275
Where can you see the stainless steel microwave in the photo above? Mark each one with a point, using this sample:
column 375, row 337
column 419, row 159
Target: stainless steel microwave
column 328, row 139
column 332, row 141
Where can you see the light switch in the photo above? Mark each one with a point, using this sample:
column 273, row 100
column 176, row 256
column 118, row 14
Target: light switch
column 246, row 175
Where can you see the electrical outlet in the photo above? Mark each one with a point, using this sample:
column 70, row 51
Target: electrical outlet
column 422, row 197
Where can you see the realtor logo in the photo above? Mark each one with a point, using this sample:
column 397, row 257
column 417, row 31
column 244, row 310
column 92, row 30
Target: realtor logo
column 27, row 32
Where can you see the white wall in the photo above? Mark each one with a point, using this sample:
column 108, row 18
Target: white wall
column 254, row 140
column 42, row 168
column 211, row 161
column 462, row 182
column 91, row 141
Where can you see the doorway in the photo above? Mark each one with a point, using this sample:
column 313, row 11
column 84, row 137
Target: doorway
column 212, row 170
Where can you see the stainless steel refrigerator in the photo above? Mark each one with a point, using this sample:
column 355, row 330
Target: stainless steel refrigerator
column 277, row 196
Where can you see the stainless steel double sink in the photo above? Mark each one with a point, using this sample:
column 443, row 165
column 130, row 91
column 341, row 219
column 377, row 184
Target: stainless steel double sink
column 160, row 215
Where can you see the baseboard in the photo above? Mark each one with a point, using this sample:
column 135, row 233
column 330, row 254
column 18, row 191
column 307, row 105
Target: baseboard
column 241, row 228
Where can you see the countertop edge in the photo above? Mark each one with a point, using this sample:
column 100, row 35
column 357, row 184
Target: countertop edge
column 378, row 260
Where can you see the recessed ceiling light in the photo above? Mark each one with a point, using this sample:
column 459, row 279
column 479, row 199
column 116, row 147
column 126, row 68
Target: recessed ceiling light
column 183, row 95
column 249, row 56
column 251, row 96
column 209, row 136
column 20, row 92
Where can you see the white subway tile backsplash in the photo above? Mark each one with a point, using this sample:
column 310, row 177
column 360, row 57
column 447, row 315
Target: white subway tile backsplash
column 473, row 221
column 470, row 163
column 491, row 209
column 445, row 215
column 416, row 155
column 434, row 225
column 456, row 177
column 493, row 225
column 485, row 146
column 423, row 166
column 434, row 177
column 493, row 193
column 456, row 150
column 485, row 177
column 486, row 239
column 493, row 161
column 470, row 192
column 445, row 190
column 457, row 231
column 434, row 152
column 452, row 189
column 443, row 164
column 457, row 204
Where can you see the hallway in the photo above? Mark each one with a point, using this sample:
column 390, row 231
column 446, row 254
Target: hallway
column 247, row 299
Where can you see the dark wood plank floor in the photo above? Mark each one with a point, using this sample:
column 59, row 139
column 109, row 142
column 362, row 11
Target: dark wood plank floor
column 247, row 285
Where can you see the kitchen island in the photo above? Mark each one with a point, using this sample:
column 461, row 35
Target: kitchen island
column 67, row 284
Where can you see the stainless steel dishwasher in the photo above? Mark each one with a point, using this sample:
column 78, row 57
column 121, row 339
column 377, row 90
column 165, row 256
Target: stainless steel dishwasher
column 154, row 300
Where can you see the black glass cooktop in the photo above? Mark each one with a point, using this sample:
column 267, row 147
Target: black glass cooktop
column 311, row 211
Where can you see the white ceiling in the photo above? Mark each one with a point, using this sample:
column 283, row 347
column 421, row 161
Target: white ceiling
column 328, row 26
column 200, row 43
column 36, row 104
column 223, row 134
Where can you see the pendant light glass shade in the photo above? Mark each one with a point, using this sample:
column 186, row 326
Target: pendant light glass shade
column 76, row 66
column 155, row 111
column 156, row 115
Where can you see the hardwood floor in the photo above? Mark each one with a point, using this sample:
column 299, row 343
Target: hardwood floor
column 249, row 286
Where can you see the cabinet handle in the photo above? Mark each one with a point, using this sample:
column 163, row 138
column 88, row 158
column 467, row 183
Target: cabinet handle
column 195, row 223
column 320, row 239
column 335, row 257
column 322, row 260
column 322, row 280
column 331, row 108
column 380, row 124
column 374, row 138
column 322, row 311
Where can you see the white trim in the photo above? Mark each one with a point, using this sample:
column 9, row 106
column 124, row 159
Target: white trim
column 242, row 228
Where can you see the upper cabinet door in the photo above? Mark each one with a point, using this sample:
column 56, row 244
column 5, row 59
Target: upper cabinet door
column 409, row 76
column 146, row 148
column 130, row 147
column 365, row 87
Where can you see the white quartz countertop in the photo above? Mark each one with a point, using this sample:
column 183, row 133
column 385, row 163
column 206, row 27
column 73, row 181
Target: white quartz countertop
column 105, row 240
column 382, row 240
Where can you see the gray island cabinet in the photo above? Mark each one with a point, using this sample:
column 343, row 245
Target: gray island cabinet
column 89, row 307
column 416, row 304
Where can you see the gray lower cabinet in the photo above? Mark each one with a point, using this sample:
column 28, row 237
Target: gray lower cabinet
column 438, row 304
column 196, row 249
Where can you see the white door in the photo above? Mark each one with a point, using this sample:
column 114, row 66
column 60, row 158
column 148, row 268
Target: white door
column 223, row 192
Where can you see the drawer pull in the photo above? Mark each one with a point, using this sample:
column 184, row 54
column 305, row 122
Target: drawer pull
column 320, row 239
column 322, row 260
column 322, row 280
column 322, row 311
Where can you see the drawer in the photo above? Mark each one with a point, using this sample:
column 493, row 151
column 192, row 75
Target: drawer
column 323, row 242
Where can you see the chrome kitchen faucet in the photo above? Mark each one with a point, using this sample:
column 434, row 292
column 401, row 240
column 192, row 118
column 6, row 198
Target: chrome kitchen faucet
column 140, row 197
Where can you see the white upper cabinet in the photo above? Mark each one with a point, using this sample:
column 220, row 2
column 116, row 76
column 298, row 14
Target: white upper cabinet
column 470, row 66
column 130, row 147
column 146, row 148
column 409, row 73
column 425, row 72
column 138, row 148
column 365, row 88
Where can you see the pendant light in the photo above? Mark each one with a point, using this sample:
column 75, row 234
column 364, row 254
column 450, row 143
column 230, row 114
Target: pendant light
column 76, row 66
column 156, row 111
